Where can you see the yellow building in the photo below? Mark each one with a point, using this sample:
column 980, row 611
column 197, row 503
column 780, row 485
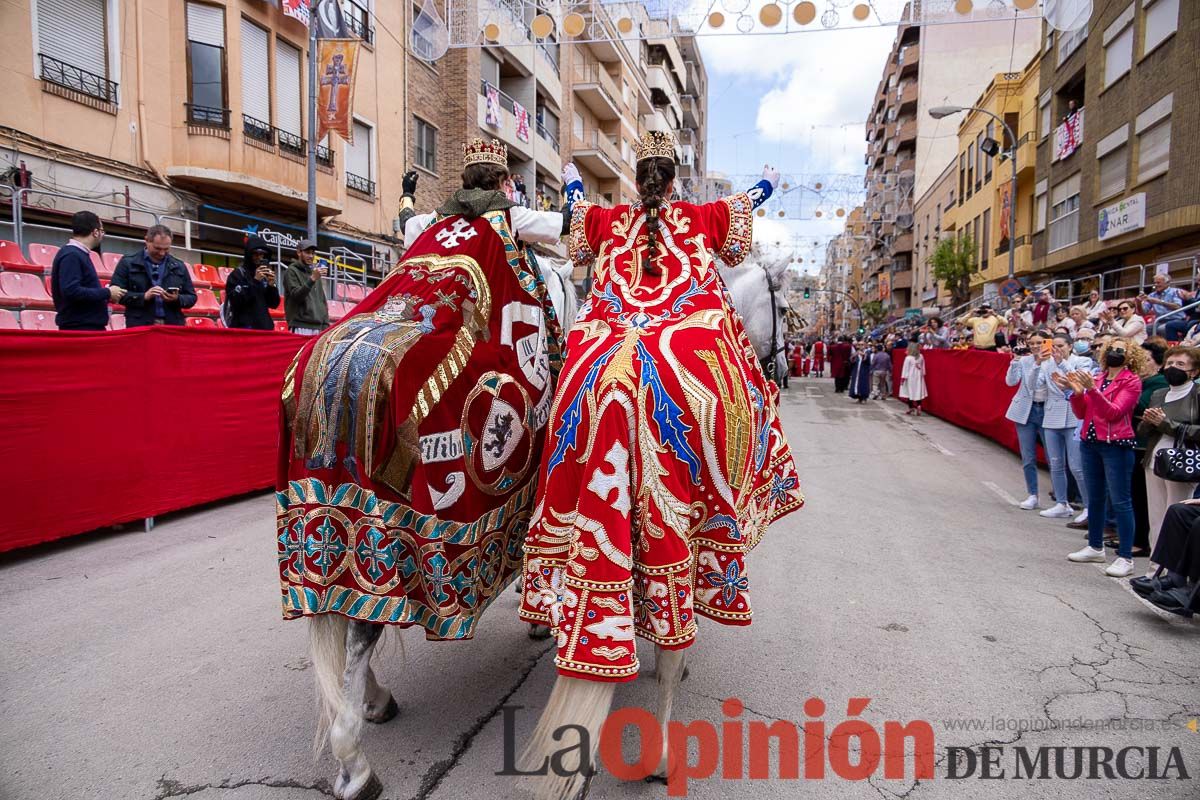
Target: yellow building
column 982, row 182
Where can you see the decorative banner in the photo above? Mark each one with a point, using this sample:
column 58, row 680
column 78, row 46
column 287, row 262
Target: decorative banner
column 492, row 97
column 296, row 9
column 336, row 60
column 1068, row 136
column 1122, row 217
column 885, row 287
column 522, row 115
column 1005, row 209
column 331, row 23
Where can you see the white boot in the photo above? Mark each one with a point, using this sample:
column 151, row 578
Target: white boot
column 1030, row 503
column 1058, row 511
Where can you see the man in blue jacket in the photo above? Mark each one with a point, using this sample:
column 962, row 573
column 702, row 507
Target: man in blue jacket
column 79, row 299
column 157, row 285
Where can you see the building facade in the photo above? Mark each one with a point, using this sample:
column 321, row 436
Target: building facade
column 1116, row 193
column 933, row 223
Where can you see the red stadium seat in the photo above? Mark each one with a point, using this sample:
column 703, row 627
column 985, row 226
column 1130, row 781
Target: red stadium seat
column 11, row 258
column 8, row 320
column 101, row 267
column 38, row 321
column 116, row 322
column 110, row 262
column 353, row 293
column 49, row 284
column 337, row 310
column 25, row 290
column 206, row 304
column 281, row 325
column 278, row 313
column 43, row 254
column 223, row 274
column 201, row 322
column 205, row 277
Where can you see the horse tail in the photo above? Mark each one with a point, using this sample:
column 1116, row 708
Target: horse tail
column 572, row 702
column 327, row 647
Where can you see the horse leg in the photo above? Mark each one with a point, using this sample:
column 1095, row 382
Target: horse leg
column 671, row 670
column 572, row 702
column 380, row 706
column 355, row 780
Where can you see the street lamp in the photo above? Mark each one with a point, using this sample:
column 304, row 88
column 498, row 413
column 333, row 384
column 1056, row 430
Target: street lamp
column 938, row 112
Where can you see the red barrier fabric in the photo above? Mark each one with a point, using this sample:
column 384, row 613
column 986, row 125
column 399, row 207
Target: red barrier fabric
column 966, row 388
column 110, row 427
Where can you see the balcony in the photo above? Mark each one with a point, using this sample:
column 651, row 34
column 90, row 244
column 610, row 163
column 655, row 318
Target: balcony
column 909, row 58
column 255, row 130
column 1022, row 257
column 906, row 133
column 691, row 111
column 660, row 83
column 902, row 243
column 902, row 279
column 75, row 80
column 693, row 85
column 1068, row 136
column 597, row 89
column 506, row 131
column 207, row 117
column 357, row 183
column 1026, row 154
column 546, row 152
column 596, row 151
column 358, row 20
column 906, row 96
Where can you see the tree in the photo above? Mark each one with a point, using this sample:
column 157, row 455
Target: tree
column 953, row 262
column 873, row 312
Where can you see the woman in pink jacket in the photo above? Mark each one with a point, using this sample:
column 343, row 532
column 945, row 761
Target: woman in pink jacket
column 1104, row 402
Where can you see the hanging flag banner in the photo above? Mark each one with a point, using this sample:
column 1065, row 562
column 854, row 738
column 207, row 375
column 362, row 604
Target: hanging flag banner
column 336, row 60
column 296, row 9
column 1005, row 209
column 522, row 115
column 492, row 113
column 331, row 22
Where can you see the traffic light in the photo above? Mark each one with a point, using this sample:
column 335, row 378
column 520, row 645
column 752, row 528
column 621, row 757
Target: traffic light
column 807, row 293
column 861, row 330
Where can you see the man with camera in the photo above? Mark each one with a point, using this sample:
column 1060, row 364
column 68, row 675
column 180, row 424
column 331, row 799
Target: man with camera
column 157, row 285
column 985, row 326
column 250, row 291
column 307, row 310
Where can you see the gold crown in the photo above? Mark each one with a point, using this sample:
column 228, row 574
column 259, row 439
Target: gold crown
column 655, row 144
column 477, row 151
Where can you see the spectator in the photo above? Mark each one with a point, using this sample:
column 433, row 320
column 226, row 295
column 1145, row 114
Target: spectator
column 1060, row 429
column 1028, row 406
column 984, row 325
column 1095, row 307
column 912, row 380
column 1178, row 551
column 1163, row 299
column 1062, row 319
column 157, row 285
column 1105, row 402
column 881, row 372
column 1172, row 413
column 1126, row 324
column 79, row 299
column 1152, row 381
column 250, row 289
column 1081, row 327
column 935, row 335
column 860, row 373
column 1043, row 309
column 839, row 364
column 306, row 310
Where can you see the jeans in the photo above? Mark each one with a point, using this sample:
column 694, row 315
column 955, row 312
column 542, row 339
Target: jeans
column 1175, row 329
column 1108, row 473
column 1062, row 451
column 1027, row 437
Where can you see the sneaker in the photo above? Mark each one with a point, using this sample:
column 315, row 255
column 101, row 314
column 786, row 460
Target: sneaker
column 1121, row 568
column 1030, row 503
column 1088, row 555
column 1081, row 519
column 1059, row 511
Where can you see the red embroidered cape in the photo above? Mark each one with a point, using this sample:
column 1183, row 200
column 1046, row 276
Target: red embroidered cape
column 664, row 460
column 411, row 435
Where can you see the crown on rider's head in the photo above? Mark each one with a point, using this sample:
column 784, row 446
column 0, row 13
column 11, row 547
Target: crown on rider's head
column 655, row 144
column 478, row 151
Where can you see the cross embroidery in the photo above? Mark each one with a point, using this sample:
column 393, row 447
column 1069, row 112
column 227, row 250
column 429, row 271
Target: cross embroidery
column 460, row 231
column 375, row 553
column 335, row 75
column 323, row 547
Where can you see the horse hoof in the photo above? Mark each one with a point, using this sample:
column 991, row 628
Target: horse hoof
column 388, row 714
column 370, row 791
column 538, row 632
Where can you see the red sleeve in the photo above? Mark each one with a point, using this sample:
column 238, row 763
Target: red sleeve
column 586, row 222
column 729, row 222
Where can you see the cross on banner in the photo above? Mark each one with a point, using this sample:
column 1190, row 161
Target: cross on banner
column 337, row 60
column 335, row 75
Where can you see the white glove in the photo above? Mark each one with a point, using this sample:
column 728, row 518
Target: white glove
column 771, row 176
column 570, row 173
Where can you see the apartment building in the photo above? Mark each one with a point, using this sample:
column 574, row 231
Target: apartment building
column 842, row 275
column 932, row 223
column 983, row 182
column 1116, row 167
column 196, row 110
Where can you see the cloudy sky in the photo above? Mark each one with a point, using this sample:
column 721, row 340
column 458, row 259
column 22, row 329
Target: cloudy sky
column 798, row 101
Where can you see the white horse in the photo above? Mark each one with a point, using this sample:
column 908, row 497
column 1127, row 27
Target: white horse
column 341, row 648
column 758, row 289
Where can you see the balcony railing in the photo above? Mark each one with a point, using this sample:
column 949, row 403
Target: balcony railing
column 360, row 184
column 324, row 156
column 545, row 133
column 549, row 51
column 207, row 116
column 257, row 130
column 1068, row 136
column 79, row 80
column 1021, row 241
column 506, row 101
column 358, row 19
column 291, row 143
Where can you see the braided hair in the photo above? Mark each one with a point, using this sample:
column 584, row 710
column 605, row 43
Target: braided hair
column 653, row 175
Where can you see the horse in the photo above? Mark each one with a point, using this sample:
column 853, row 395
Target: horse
column 348, row 691
column 758, row 291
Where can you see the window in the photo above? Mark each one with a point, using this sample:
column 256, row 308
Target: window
column 288, row 102
column 1118, row 47
column 359, row 160
column 985, row 243
column 979, row 159
column 424, row 35
column 256, row 92
column 1161, row 20
column 1154, row 139
column 970, row 168
column 577, row 128
column 1064, row 214
column 987, row 160
column 547, row 124
column 73, row 46
column 1045, row 124
column 426, row 136
column 206, row 65
column 1039, row 211
column 1069, row 41
column 489, row 68
column 1113, row 155
column 975, row 240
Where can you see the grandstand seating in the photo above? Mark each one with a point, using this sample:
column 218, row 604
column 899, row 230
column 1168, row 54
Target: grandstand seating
column 337, row 310
column 43, row 254
column 281, row 325
column 201, row 322
column 11, row 258
column 110, row 262
column 116, row 322
column 38, row 321
column 23, row 290
column 9, row 320
column 278, row 313
column 206, row 304
column 102, row 269
column 353, row 293
column 223, row 275
column 205, row 277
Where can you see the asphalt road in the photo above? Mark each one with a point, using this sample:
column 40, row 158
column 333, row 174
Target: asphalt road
column 156, row 666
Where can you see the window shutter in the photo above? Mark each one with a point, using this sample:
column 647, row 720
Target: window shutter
column 73, row 31
column 206, row 24
column 256, row 89
column 287, row 87
column 358, row 154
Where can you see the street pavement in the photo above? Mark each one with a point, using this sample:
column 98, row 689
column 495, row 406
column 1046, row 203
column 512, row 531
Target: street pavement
column 155, row 665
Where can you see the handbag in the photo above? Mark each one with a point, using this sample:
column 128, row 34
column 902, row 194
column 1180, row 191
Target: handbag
column 1180, row 463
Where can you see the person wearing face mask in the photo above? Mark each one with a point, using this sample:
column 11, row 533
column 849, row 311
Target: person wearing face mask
column 1105, row 401
column 1027, row 409
column 1126, row 323
column 1060, row 429
column 1171, row 412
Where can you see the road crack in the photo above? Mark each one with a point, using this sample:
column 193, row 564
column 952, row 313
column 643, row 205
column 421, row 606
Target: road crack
column 169, row 788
